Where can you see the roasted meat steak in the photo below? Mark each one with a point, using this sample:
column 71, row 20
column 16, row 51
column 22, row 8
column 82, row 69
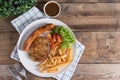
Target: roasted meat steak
column 39, row 49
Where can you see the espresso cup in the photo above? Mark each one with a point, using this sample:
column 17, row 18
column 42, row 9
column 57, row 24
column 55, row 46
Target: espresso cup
column 52, row 9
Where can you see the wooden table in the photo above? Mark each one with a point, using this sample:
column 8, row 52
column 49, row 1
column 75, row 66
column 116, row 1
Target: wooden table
column 96, row 24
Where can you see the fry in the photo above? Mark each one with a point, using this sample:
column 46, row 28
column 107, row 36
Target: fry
column 56, row 51
column 49, row 65
column 64, row 60
column 52, row 71
column 60, row 52
column 49, row 62
column 49, row 36
column 41, row 68
column 69, row 54
column 55, row 62
column 44, row 70
column 56, row 44
column 63, row 56
column 58, row 57
column 51, row 58
column 53, row 50
column 43, row 63
column 59, row 61
column 57, row 66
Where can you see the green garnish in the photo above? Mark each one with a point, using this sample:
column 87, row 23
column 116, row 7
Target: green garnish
column 67, row 39
column 15, row 7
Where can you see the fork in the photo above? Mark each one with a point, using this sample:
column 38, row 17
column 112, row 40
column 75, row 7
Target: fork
column 19, row 70
column 14, row 73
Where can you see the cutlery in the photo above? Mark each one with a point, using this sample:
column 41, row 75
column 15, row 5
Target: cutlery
column 18, row 71
column 21, row 70
column 14, row 73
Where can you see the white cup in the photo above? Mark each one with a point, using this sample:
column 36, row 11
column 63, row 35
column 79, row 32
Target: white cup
column 44, row 9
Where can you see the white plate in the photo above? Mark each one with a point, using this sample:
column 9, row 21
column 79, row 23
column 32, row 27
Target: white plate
column 29, row 64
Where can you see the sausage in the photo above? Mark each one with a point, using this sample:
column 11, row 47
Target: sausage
column 36, row 33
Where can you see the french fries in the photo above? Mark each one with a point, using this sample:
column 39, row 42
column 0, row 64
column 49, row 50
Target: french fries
column 52, row 71
column 57, row 57
column 60, row 52
column 43, row 63
column 69, row 54
column 53, row 63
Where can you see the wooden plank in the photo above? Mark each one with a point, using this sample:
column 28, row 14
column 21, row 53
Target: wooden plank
column 89, row 9
column 91, row 16
column 86, row 1
column 101, row 16
column 101, row 47
column 5, row 24
column 97, row 72
column 82, row 72
column 6, row 60
column 8, row 39
column 91, row 23
column 5, row 51
column 82, row 17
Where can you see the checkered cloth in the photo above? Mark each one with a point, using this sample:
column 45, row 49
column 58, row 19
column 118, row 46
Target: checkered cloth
column 33, row 14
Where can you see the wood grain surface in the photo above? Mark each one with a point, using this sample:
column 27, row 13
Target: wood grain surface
column 83, row 17
column 82, row 72
column 85, row 1
column 96, row 24
column 101, row 47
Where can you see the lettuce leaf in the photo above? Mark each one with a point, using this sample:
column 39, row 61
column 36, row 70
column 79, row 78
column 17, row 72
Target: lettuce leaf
column 67, row 38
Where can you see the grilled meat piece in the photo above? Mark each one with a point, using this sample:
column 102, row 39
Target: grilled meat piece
column 39, row 49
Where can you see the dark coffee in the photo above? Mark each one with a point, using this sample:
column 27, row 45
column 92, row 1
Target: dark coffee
column 52, row 9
